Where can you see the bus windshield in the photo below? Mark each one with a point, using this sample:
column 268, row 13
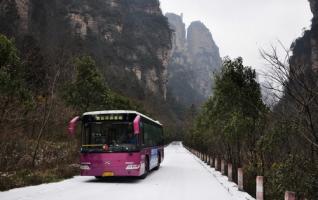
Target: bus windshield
column 108, row 136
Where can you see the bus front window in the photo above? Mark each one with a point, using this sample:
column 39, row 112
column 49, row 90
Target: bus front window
column 117, row 136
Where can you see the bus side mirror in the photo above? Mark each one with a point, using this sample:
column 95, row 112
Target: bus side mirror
column 72, row 125
column 137, row 125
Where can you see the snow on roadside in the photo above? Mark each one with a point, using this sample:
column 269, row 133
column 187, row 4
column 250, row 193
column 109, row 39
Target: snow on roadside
column 231, row 187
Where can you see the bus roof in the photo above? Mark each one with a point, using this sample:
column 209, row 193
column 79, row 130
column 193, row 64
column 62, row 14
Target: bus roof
column 120, row 112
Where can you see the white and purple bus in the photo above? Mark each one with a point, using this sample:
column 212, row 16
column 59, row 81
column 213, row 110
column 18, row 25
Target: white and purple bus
column 119, row 143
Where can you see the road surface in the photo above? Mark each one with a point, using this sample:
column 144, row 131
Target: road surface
column 181, row 176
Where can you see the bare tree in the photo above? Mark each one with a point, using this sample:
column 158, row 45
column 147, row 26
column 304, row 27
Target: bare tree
column 296, row 85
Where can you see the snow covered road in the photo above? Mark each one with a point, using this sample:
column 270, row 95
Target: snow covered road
column 181, row 176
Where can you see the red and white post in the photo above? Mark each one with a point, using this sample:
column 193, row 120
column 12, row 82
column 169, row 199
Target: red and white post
column 259, row 188
column 216, row 164
column 211, row 161
column 229, row 172
column 240, row 179
column 222, row 167
column 290, row 195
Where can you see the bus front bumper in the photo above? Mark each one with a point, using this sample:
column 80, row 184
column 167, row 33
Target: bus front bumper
column 104, row 171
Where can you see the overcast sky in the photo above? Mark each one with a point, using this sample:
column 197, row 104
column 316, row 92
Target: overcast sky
column 242, row 27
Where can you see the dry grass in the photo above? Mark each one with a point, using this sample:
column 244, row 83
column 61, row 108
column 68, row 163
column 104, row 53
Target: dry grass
column 56, row 160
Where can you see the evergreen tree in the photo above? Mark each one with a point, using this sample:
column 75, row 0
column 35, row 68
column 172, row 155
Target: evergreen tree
column 88, row 91
column 229, row 123
column 12, row 87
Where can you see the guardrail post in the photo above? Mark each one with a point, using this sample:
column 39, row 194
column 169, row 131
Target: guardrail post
column 216, row 164
column 290, row 195
column 240, row 179
column 229, row 172
column 222, row 167
column 212, row 161
column 259, row 188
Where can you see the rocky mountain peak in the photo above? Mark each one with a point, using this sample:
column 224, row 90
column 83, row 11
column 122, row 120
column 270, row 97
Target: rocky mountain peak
column 194, row 58
column 200, row 39
column 179, row 34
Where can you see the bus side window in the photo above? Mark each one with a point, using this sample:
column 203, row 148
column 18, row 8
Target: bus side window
column 141, row 135
column 147, row 134
column 161, row 137
column 152, row 135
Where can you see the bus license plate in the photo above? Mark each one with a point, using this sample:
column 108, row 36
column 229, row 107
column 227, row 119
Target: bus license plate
column 108, row 174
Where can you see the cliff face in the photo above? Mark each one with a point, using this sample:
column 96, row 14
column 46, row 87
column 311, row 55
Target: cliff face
column 314, row 8
column 129, row 39
column 305, row 49
column 314, row 34
column 194, row 58
column 204, row 57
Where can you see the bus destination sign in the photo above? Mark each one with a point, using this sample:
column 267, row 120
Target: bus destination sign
column 109, row 117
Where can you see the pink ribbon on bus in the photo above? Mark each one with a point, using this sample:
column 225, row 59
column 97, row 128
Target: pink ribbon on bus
column 137, row 125
column 72, row 125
